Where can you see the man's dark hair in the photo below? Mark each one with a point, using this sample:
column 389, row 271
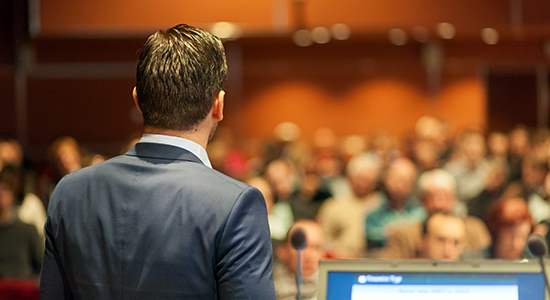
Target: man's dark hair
column 179, row 73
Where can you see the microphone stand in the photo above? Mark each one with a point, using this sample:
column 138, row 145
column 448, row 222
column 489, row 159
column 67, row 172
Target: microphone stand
column 298, row 241
column 537, row 246
column 542, row 265
column 299, row 275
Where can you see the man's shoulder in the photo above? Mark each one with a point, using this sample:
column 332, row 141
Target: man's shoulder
column 123, row 165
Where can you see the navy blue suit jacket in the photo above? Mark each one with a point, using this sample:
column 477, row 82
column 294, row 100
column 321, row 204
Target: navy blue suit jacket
column 156, row 223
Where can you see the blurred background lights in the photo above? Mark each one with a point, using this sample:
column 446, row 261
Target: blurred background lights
column 320, row 35
column 490, row 36
column 446, row 30
column 340, row 31
column 398, row 36
column 420, row 34
column 225, row 30
column 302, row 38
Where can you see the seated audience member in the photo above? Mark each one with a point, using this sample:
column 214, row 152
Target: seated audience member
column 308, row 199
column 509, row 223
column 519, row 144
column 425, row 156
column 343, row 217
column 437, row 193
column 21, row 248
column 469, row 167
column 497, row 144
column 65, row 157
column 399, row 205
column 30, row 208
column 436, row 132
column 531, row 186
column 383, row 145
column 279, row 214
column 285, row 268
column 300, row 190
column 443, row 237
column 284, row 177
column 497, row 181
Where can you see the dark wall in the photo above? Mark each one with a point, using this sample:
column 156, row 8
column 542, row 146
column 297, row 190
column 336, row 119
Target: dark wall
column 7, row 105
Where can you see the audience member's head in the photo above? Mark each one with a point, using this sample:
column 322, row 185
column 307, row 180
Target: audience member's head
column 437, row 190
column 497, row 143
column 363, row 172
column 534, row 170
column 383, row 145
column 65, row 154
column 429, row 128
column 265, row 188
column 443, row 236
column 425, row 155
column 519, row 141
column 11, row 153
column 283, row 177
column 310, row 255
column 509, row 223
column 472, row 146
column 399, row 180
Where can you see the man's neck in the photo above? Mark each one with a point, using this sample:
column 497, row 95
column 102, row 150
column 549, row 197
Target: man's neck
column 192, row 135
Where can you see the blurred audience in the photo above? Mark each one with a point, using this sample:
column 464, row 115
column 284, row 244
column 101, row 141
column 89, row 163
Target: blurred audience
column 484, row 192
column 437, row 191
column 21, row 247
column 28, row 206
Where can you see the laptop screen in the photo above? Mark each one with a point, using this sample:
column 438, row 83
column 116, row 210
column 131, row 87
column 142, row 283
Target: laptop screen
column 430, row 280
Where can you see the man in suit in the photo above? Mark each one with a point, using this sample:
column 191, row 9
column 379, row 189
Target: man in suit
column 158, row 222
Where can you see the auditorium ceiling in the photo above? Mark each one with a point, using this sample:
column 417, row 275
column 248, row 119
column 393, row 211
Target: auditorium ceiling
column 365, row 19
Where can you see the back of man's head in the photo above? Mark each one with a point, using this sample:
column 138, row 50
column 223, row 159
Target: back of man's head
column 179, row 73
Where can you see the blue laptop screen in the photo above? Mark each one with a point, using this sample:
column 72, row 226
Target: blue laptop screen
column 432, row 286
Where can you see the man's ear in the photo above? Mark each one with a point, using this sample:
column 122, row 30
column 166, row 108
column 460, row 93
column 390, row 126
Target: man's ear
column 217, row 109
column 135, row 96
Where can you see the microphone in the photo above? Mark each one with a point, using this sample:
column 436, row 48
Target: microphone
column 298, row 239
column 537, row 246
column 298, row 242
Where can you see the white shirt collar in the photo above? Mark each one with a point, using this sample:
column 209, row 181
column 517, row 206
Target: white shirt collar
column 186, row 144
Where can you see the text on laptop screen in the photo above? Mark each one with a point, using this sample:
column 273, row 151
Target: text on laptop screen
column 434, row 286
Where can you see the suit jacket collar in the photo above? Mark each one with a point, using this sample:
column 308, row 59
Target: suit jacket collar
column 162, row 151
